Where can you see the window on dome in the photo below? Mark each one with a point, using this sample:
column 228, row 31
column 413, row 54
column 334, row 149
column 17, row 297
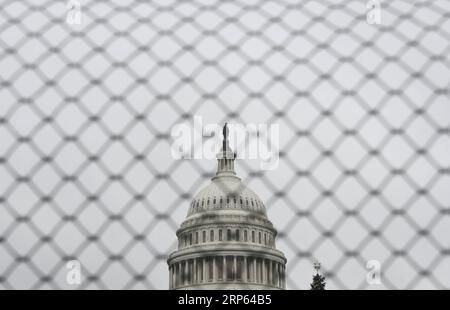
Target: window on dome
column 245, row 235
column 211, row 235
column 204, row 236
column 229, row 235
column 237, row 235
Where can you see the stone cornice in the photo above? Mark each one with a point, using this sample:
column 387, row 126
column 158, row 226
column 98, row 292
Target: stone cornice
column 227, row 218
column 227, row 250
column 236, row 285
column 242, row 225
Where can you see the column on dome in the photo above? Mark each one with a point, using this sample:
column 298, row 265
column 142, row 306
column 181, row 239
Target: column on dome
column 194, row 272
column 261, row 269
column 275, row 273
column 279, row 275
column 255, row 274
column 214, row 269
column 249, row 269
column 186, row 272
column 180, row 274
column 200, row 270
column 239, row 271
column 272, row 268
column 219, row 268
column 264, row 267
column 234, row 272
column 254, row 269
column 181, row 271
column 177, row 274
column 170, row 277
column 190, row 271
column 210, row 269
column 267, row 271
column 204, row 262
column 244, row 269
column 224, row 276
column 174, row 276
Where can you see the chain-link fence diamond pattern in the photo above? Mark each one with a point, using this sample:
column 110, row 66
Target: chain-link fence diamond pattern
column 86, row 112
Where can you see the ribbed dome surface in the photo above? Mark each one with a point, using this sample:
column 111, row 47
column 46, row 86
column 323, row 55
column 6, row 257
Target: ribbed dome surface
column 226, row 193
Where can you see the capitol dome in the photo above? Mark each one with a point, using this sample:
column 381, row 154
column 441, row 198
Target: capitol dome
column 226, row 193
column 226, row 240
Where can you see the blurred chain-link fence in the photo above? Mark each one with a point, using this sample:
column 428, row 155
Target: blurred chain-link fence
column 86, row 111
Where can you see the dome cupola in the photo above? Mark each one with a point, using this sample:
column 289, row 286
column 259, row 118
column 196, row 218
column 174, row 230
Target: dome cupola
column 226, row 191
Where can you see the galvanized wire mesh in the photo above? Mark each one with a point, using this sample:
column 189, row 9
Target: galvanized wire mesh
column 86, row 112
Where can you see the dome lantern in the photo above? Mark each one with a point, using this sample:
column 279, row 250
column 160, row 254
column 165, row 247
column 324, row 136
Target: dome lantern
column 225, row 157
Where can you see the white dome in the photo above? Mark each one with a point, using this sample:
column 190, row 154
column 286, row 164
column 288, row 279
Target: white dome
column 226, row 193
